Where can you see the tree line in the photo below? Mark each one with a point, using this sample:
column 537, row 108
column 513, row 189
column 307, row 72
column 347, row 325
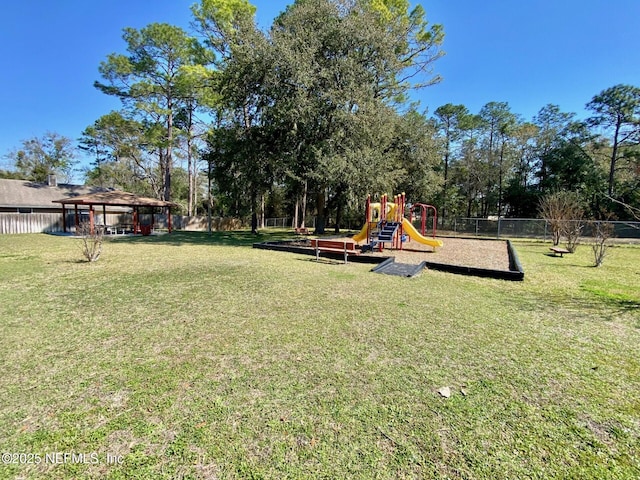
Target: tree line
column 496, row 163
column 312, row 114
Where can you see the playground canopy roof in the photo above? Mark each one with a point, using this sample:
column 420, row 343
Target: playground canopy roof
column 115, row 198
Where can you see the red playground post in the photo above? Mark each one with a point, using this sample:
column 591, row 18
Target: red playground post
column 424, row 215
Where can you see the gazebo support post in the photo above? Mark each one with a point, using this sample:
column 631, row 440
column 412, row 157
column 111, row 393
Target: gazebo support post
column 64, row 219
column 135, row 220
column 92, row 220
column 76, row 219
column 104, row 217
column 169, row 218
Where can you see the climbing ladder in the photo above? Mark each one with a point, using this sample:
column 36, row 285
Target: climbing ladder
column 384, row 223
column 385, row 233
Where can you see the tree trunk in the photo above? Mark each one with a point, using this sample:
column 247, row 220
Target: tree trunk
column 337, row 202
column 195, row 189
column 304, row 204
column 320, row 206
column 190, row 167
column 295, row 212
column 614, row 155
column 254, row 212
column 159, row 185
column 169, row 158
column 500, row 175
column 209, row 199
column 190, row 195
column 443, row 212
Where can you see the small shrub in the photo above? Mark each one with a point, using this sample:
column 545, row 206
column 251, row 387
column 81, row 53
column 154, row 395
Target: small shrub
column 91, row 241
column 571, row 230
column 563, row 211
column 602, row 232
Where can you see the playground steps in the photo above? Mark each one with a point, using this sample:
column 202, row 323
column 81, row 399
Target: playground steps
column 387, row 232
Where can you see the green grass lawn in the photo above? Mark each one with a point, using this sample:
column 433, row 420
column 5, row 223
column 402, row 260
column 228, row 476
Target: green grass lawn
column 194, row 357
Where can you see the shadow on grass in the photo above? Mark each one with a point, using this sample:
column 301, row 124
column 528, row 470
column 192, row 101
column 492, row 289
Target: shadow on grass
column 238, row 238
column 616, row 296
column 619, row 305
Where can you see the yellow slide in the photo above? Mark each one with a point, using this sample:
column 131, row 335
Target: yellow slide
column 415, row 235
column 362, row 235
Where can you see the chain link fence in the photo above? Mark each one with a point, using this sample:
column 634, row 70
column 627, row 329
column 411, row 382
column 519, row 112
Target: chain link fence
column 493, row 228
column 527, row 228
column 278, row 222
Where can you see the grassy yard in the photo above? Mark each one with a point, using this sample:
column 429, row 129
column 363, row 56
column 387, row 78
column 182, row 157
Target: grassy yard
column 188, row 357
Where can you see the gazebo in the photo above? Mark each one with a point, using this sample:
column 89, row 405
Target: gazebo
column 114, row 198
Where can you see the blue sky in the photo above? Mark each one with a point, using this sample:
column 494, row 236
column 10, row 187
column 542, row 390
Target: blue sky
column 526, row 53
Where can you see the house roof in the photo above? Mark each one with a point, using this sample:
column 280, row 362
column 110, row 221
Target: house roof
column 26, row 194
column 114, row 198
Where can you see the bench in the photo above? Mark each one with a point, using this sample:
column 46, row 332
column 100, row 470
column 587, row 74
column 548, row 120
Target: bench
column 559, row 250
column 302, row 231
column 336, row 246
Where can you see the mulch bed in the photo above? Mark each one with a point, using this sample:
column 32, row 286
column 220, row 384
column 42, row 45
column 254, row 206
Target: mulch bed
column 471, row 256
column 467, row 252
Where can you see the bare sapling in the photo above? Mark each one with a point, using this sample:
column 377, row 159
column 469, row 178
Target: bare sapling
column 563, row 212
column 571, row 230
column 91, row 241
column 602, row 232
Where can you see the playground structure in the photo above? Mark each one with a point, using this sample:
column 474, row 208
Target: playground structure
column 385, row 223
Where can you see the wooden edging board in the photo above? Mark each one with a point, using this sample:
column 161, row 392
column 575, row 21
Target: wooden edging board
column 515, row 272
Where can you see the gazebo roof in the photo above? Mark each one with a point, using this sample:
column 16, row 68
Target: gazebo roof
column 115, row 198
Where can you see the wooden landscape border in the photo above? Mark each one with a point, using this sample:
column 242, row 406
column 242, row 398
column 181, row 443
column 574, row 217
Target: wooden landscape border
column 515, row 272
